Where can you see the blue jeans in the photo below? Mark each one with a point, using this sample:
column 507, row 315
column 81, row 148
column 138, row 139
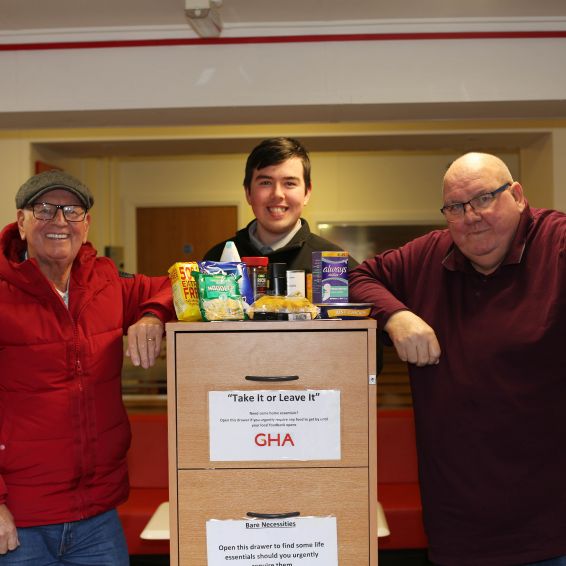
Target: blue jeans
column 98, row 541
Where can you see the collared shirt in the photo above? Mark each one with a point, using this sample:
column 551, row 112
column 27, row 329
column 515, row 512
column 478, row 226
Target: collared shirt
column 490, row 416
column 64, row 295
column 282, row 242
column 297, row 253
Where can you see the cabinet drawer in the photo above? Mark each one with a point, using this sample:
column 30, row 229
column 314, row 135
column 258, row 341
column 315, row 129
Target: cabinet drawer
column 230, row 494
column 326, row 360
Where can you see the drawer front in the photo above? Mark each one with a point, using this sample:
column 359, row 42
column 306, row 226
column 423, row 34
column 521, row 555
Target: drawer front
column 220, row 361
column 230, row 494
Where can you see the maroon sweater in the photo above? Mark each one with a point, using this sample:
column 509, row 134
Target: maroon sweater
column 491, row 416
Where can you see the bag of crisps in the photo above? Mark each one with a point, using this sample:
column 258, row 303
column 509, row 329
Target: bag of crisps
column 185, row 290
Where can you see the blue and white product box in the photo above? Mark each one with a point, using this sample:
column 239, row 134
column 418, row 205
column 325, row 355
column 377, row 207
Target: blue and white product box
column 329, row 277
column 236, row 268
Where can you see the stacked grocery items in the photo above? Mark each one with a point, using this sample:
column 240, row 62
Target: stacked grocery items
column 211, row 290
column 252, row 288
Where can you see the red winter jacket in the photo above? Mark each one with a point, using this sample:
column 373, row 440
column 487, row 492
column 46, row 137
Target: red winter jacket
column 64, row 431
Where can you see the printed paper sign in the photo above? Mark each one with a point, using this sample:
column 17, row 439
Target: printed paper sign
column 300, row 541
column 274, row 425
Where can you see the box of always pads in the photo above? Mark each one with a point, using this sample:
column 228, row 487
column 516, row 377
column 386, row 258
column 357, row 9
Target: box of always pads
column 329, row 277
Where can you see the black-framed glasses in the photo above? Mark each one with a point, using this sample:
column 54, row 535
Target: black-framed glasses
column 48, row 211
column 456, row 210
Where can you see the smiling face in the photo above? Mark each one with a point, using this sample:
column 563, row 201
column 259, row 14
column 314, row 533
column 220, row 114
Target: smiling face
column 53, row 243
column 485, row 236
column 277, row 195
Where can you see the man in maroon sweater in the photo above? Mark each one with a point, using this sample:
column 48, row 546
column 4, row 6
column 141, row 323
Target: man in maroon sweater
column 479, row 313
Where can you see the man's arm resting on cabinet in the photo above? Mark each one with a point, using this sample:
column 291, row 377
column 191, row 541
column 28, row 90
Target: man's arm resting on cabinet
column 414, row 340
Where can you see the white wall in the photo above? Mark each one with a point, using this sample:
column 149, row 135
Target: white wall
column 289, row 74
column 15, row 155
column 365, row 187
column 559, row 169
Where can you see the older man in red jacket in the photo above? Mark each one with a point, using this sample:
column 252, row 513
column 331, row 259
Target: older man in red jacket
column 64, row 431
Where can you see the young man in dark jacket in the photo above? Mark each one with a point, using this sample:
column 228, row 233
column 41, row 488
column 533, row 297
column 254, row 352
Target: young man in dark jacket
column 278, row 186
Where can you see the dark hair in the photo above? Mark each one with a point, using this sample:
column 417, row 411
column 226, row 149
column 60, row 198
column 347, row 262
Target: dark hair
column 274, row 151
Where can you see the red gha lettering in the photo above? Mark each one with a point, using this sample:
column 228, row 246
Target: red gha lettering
column 263, row 439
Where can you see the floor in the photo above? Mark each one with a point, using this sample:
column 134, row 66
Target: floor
column 149, row 560
column 403, row 558
column 386, row 558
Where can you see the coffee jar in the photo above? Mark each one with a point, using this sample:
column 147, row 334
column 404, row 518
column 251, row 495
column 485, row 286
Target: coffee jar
column 257, row 272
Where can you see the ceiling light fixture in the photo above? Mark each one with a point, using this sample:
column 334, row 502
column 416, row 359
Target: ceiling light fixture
column 204, row 17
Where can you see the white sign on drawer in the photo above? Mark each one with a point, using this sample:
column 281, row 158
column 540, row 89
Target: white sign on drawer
column 274, row 425
column 300, row 541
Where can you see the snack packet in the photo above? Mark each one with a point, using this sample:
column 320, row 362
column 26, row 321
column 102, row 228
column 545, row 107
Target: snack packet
column 185, row 290
column 236, row 268
column 276, row 307
column 219, row 296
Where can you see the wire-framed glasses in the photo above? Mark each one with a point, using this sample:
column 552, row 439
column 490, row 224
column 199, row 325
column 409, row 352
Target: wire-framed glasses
column 48, row 211
column 456, row 210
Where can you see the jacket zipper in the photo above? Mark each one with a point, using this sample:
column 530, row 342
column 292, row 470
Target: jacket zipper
column 81, row 388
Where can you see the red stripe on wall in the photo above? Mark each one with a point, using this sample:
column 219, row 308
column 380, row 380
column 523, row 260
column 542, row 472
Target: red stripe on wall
column 282, row 39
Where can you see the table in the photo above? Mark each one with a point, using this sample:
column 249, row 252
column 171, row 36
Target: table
column 157, row 527
column 382, row 526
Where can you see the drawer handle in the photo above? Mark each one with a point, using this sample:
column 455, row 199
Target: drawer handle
column 273, row 515
column 272, row 377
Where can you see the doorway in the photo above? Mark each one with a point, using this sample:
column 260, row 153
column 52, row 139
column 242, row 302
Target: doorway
column 169, row 234
column 166, row 235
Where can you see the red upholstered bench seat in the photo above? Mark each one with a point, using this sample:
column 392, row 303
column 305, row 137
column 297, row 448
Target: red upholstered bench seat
column 135, row 514
column 398, row 483
column 147, row 464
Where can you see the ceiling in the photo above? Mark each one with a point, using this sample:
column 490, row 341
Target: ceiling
column 23, row 20
column 18, row 15
column 495, row 142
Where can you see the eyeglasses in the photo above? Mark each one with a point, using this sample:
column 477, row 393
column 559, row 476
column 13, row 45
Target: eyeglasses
column 48, row 211
column 456, row 210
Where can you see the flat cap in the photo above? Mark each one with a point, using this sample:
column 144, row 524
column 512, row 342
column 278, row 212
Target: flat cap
column 41, row 183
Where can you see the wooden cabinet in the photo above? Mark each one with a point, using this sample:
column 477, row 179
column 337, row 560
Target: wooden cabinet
column 320, row 355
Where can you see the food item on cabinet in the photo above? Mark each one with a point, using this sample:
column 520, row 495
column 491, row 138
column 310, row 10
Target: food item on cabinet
column 219, row 297
column 296, row 283
column 277, row 279
column 257, row 272
column 236, row 268
column 345, row 311
column 272, row 307
column 185, row 290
